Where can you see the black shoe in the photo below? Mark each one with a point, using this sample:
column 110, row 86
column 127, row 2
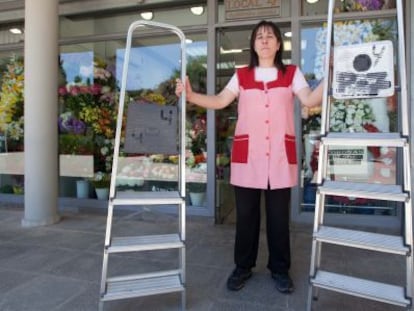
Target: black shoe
column 284, row 283
column 238, row 278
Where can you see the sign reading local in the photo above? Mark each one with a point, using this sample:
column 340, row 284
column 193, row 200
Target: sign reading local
column 245, row 9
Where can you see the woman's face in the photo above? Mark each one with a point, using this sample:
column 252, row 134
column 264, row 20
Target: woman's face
column 266, row 44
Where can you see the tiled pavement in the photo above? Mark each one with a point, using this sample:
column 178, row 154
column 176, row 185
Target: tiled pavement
column 58, row 267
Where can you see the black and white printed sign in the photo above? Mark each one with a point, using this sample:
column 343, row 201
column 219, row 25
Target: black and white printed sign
column 151, row 128
column 349, row 161
column 363, row 70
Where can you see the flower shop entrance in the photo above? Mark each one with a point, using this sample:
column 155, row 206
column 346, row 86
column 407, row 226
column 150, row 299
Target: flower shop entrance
column 374, row 115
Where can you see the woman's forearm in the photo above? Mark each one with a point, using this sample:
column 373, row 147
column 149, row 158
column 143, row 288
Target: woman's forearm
column 211, row 101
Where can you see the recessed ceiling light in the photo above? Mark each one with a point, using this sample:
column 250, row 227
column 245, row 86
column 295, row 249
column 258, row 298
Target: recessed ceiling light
column 197, row 10
column 312, row 1
column 230, row 51
column 288, row 34
column 287, row 45
column 147, row 15
column 16, row 31
column 188, row 41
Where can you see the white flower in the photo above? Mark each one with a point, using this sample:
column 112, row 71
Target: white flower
column 350, row 115
column 345, row 33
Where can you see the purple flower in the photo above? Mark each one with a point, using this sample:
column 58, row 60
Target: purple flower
column 71, row 125
column 371, row 4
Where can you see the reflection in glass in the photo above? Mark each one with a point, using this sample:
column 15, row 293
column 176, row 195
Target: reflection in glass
column 358, row 164
column 320, row 7
column 88, row 97
column 152, row 71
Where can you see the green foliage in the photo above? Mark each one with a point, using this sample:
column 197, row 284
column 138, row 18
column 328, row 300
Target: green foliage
column 385, row 30
column 6, row 189
column 196, row 187
column 101, row 180
column 75, row 144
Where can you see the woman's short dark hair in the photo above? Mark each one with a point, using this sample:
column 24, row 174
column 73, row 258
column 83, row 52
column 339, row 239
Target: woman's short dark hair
column 254, row 58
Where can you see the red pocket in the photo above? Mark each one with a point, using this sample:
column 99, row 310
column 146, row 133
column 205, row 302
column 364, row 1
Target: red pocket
column 290, row 146
column 240, row 150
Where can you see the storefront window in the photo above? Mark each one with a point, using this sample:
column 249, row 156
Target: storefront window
column 372, row 164
column 320, row 7
column 11, row 122
column 89, row 95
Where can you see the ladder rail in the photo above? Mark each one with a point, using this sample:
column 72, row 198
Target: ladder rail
column 408, row 214
column 325, row 100
column 402, row 67
column 326, row 84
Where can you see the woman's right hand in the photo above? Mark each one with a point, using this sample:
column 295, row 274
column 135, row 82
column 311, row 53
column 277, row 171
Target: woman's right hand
column 180, row 86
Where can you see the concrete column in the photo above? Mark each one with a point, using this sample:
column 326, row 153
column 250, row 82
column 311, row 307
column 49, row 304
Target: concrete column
column 40, row 113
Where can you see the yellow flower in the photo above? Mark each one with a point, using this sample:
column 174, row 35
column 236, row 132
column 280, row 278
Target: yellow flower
column 11, row 99
column 155, row 98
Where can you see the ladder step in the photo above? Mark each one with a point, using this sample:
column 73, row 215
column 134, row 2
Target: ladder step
column 364, row 139
column 382, row 292
column 144, row 243
column 360, row 239
column 364, row 190
column 129, row 288
column 147, row 197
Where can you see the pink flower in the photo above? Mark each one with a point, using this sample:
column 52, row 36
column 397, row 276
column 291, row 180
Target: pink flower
column 75, row 90
column 95, row 89
column 62, row 91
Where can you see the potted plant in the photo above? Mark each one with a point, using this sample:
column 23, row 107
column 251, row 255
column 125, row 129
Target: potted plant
column 101, row 182
column 197, row 192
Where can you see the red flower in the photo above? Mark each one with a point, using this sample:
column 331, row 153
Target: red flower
column 370, row 128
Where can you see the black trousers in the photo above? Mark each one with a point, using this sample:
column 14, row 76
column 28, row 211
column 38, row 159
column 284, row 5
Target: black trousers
column 248, row 228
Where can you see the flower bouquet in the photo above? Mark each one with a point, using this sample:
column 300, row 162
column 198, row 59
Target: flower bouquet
column 350, row 115
column 362, row 5
column 101, row 180
column 11, row 104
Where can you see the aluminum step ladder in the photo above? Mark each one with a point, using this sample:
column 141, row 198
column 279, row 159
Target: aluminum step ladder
column 399, row 245
column 159, row 282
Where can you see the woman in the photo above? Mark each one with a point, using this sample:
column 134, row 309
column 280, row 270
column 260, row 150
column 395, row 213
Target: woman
column 263, row 154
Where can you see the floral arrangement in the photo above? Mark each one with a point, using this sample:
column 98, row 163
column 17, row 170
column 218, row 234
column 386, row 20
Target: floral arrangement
column 94, row 104
column 101, row 180
column 75, row 144
column 350, row 115
column 345, row 33
column 90, row 109
column 151, row 97
column 311, row 119
column 196, row 134
column 104, row 151
column 12, row 99
column 362, row 5
column 68, row 123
